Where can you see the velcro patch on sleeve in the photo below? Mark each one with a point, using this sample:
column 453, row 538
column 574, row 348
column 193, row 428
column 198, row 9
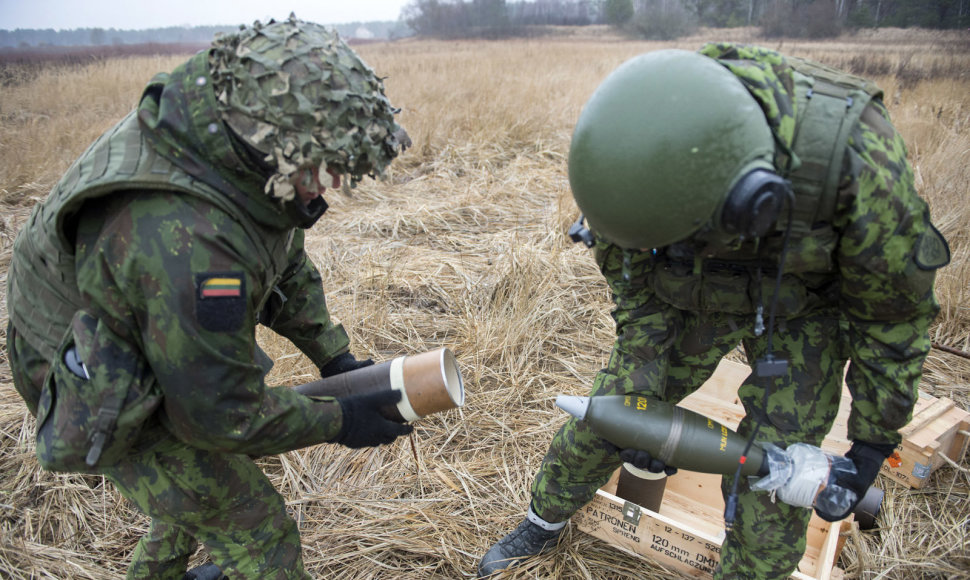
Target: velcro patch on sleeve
column 220, row 300
column 932, row 251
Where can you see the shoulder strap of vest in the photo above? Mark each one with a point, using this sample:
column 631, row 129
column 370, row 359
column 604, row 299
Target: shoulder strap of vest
column 829, row 104
column 127, row 161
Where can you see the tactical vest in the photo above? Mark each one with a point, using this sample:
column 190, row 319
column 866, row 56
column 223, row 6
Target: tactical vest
column 829, row 104
column 42, row 288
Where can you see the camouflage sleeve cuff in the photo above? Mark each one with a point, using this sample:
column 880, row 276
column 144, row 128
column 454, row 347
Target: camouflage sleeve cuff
column 862, row 430
column 333, row 343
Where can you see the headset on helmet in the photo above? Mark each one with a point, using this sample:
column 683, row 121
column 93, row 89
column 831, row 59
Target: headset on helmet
column 754, row 204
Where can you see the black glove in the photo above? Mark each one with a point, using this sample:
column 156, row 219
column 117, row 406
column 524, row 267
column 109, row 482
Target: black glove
column 363, row 425
column 205, row 572
column 643, row 460
column 343, row 363
column 868, row 458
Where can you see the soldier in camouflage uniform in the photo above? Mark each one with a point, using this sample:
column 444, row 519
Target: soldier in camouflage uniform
column 725, row 188
column 136, row 287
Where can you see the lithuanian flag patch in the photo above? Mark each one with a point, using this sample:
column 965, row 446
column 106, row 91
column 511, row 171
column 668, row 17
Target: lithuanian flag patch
column 221, row 286
column 220, row 304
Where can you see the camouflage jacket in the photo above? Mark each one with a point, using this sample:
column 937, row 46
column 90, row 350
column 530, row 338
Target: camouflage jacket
column 869, row 257
column 162, row 229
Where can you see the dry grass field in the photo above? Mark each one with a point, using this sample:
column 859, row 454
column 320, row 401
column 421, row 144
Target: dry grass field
column 464, row 246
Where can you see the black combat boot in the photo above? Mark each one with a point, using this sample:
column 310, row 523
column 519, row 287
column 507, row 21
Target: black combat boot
column 205, row 572
column 527, row 540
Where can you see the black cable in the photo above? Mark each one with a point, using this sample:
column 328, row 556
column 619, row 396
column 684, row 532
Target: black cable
column 769, row 358
column 766, row 367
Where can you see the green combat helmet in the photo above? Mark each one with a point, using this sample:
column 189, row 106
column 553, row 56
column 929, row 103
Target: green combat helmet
column 296, row 93
column 659, row 146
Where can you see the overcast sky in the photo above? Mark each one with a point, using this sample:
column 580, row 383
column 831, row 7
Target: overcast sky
column 140, row 14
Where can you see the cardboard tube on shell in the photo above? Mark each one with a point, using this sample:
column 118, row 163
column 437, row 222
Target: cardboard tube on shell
column 429, row 382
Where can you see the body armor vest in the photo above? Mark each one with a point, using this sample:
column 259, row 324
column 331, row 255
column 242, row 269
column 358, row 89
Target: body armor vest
column 42, row 281
column 829, row 104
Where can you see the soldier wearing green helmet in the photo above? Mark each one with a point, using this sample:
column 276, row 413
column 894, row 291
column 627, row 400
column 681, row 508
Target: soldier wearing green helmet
column 136, row 287
column 736, row 195
column 649, row 183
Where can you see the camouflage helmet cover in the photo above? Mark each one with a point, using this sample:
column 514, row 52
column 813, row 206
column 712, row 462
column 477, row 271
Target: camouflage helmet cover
column 295, row 92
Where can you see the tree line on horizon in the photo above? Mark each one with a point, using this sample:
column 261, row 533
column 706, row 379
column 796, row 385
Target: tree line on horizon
column 673, row 18
column 664, row 19
column 32, row 38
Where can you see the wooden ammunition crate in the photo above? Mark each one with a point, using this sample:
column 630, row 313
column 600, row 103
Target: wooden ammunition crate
column 687, row 531
column 686, row 534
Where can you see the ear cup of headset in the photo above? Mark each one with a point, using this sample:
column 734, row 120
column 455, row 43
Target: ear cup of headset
column 754, row 203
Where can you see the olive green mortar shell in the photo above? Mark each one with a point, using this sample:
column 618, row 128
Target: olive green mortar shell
column 676, row 436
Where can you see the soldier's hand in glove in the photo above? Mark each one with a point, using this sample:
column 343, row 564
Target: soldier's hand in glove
column 868, row 458
column 363, row 424
column 643, row 460
column 343, row 363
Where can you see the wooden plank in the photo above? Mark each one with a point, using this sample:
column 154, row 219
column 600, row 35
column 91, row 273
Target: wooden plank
column 924, row 417
column 828, row 555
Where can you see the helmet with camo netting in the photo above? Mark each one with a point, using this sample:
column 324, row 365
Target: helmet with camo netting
column 296, row 93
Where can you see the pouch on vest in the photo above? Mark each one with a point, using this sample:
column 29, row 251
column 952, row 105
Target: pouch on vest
column 91, row 414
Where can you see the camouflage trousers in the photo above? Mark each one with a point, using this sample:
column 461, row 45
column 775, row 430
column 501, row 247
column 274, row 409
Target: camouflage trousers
column 191, row 495
column 223, row 501
column 669, row 360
